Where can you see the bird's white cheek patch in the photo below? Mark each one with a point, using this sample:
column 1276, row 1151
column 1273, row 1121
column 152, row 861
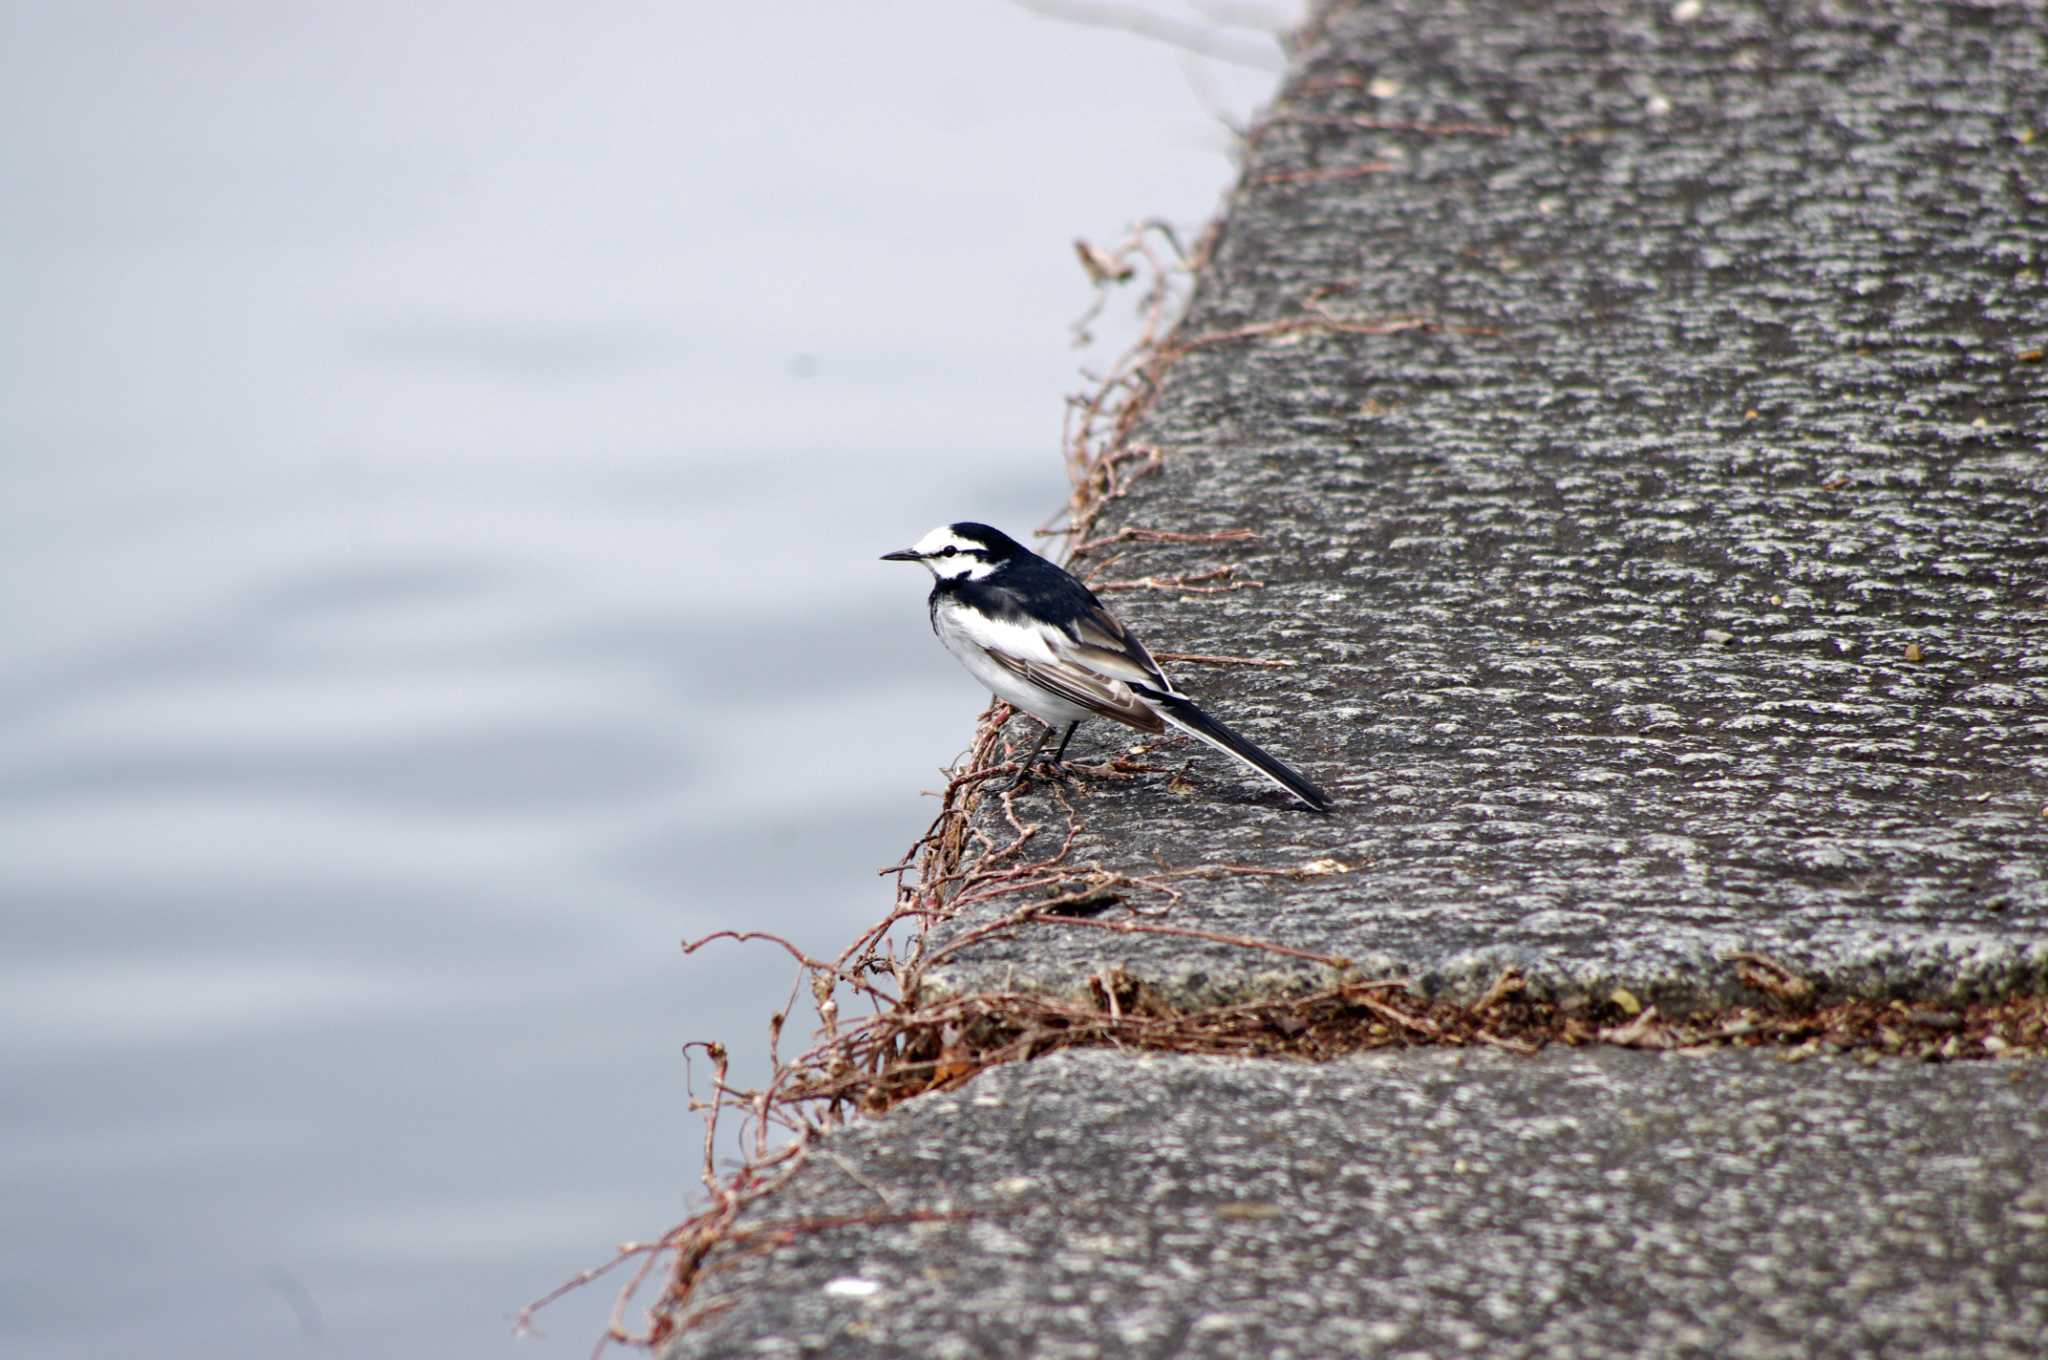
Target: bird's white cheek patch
column 957, row 567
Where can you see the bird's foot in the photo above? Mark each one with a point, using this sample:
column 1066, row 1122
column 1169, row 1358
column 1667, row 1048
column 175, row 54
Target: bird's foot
column 1056, row 769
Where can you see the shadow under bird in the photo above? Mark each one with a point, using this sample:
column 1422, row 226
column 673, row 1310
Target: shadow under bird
column 1042, row 642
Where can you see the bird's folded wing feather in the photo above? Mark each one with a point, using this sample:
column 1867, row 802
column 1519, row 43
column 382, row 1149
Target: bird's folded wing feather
column 1100, row 642
column 1080, row 684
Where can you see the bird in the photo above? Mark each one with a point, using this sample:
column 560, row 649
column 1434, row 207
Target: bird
column 1038, row 639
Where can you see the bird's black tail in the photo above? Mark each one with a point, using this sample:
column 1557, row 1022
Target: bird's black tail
column 1182, row 713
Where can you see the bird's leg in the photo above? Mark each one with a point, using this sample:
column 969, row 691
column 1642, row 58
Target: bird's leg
column 1053, row 767
column 1024, row 769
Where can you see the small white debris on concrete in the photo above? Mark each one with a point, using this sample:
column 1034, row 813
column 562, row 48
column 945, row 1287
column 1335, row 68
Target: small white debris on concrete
column 850, row 1287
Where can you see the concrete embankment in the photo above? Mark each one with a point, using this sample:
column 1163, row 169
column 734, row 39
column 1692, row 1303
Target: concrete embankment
column 1631, row 424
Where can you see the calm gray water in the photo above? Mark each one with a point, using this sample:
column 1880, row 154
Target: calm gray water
column 446, row 452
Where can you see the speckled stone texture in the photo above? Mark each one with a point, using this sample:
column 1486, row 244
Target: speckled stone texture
column 1602, row 619
column 1589, row 1205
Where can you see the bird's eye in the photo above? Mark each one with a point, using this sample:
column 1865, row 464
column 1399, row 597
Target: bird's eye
column 948, row 550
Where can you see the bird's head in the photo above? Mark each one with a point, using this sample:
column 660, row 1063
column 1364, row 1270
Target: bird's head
column 965, row 550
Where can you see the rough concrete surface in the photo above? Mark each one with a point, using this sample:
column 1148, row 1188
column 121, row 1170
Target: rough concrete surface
column 1588, row 1204
column 1601, row 620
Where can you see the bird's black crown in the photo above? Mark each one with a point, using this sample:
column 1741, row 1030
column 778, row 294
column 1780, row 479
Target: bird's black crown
column 1000, row 546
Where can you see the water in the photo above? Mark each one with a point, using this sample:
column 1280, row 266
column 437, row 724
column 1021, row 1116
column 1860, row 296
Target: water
column 447, row 448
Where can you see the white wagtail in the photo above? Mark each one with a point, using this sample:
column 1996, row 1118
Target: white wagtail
column 1043, row 643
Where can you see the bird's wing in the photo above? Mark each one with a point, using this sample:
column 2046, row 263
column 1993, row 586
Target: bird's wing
column 1094, row 661
column 1083, row 685
column 1088, row 658
column 1098, row 640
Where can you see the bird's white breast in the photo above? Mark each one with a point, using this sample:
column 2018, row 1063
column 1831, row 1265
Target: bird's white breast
column 971, row 635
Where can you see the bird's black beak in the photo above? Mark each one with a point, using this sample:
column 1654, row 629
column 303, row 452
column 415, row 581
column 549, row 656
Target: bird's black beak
column 902, row 555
